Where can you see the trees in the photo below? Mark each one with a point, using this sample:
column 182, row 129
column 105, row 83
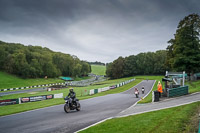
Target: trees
column 149, row 63
column 116, row 69
column 35, row 61
column 183, row 53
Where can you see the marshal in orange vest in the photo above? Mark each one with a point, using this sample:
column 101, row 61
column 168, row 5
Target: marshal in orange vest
column 160, row 87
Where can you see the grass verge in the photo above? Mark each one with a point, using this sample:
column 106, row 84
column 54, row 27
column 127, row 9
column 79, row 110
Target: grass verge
column 173, row 120
column 194, row 86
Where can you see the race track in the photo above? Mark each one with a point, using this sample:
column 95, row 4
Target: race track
column 54, row 119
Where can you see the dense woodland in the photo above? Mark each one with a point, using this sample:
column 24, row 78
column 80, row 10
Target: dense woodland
column 182, row 54
column 96, row 63
column 35, row 61
column 150, row 63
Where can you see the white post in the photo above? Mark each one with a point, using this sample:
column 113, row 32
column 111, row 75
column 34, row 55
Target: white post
column 152, row 96
column 183, row 78
column 166, row 73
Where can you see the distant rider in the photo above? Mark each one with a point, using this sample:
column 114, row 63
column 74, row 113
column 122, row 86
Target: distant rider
column 136, row 92
column 72, row 95
column 142, row 89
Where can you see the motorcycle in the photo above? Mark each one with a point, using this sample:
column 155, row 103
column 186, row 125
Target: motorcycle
column 136, row 94
column 142, row 90
column 71, row 105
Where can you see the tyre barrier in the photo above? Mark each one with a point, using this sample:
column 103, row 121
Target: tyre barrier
column 34, row 86
column 95, row 91
column 30, row 99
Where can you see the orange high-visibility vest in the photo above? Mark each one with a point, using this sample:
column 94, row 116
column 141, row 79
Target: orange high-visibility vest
column 160, row 88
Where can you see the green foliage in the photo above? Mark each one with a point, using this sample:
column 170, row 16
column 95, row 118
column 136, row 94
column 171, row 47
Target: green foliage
column 37, row 62
column 184, row 52
column 150, row 63
column 98, row 69
column 96, row 63
column 172, row 120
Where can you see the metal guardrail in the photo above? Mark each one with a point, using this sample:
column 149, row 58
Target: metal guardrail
column 95, row 91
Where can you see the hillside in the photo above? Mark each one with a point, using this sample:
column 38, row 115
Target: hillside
column 98, row 69
column 10, row 81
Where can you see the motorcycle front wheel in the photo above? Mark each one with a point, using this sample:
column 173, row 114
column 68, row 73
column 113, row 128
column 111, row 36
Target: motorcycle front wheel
column 66, row 108
column 78, row 108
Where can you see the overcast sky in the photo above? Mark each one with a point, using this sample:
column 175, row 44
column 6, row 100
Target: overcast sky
column 94, row 30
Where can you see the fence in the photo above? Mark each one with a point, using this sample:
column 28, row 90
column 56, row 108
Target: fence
column 183, row 90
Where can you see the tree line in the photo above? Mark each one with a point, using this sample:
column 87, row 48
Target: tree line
column 182, row 54
column 96, row 63
column 37, row 62
column 150, row 63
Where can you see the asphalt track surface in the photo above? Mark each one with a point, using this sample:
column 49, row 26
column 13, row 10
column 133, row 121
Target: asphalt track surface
column 54, row 119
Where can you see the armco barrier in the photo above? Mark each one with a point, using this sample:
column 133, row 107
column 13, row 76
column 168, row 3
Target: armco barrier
column 94, row 91
column 9, row 101
column 36, row 98
column 105, row 89
column 99, row 90
column 30, row 99
column 59, row 95
column 10, row 89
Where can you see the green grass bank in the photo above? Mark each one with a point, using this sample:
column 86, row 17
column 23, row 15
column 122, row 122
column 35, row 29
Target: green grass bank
column 98, row 69
column 182, row 119
column 10, row 81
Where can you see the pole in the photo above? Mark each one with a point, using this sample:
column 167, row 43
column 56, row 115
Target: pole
column 166, row 73
column 183, row 78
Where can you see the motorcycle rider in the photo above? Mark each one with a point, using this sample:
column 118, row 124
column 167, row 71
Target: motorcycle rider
column 142, row 89
column 72, row 96
column 136, row 92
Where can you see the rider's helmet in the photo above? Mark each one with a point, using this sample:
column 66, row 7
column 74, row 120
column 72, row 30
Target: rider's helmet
column 71, row 89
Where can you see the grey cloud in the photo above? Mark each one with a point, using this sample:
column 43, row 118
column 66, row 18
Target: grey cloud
column 93, row 30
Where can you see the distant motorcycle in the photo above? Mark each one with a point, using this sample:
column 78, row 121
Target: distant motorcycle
column 71, row 105
column 143, row 90
column 136, row 94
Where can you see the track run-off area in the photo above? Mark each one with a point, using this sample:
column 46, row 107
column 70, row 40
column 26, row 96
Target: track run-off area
column 54, row 119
